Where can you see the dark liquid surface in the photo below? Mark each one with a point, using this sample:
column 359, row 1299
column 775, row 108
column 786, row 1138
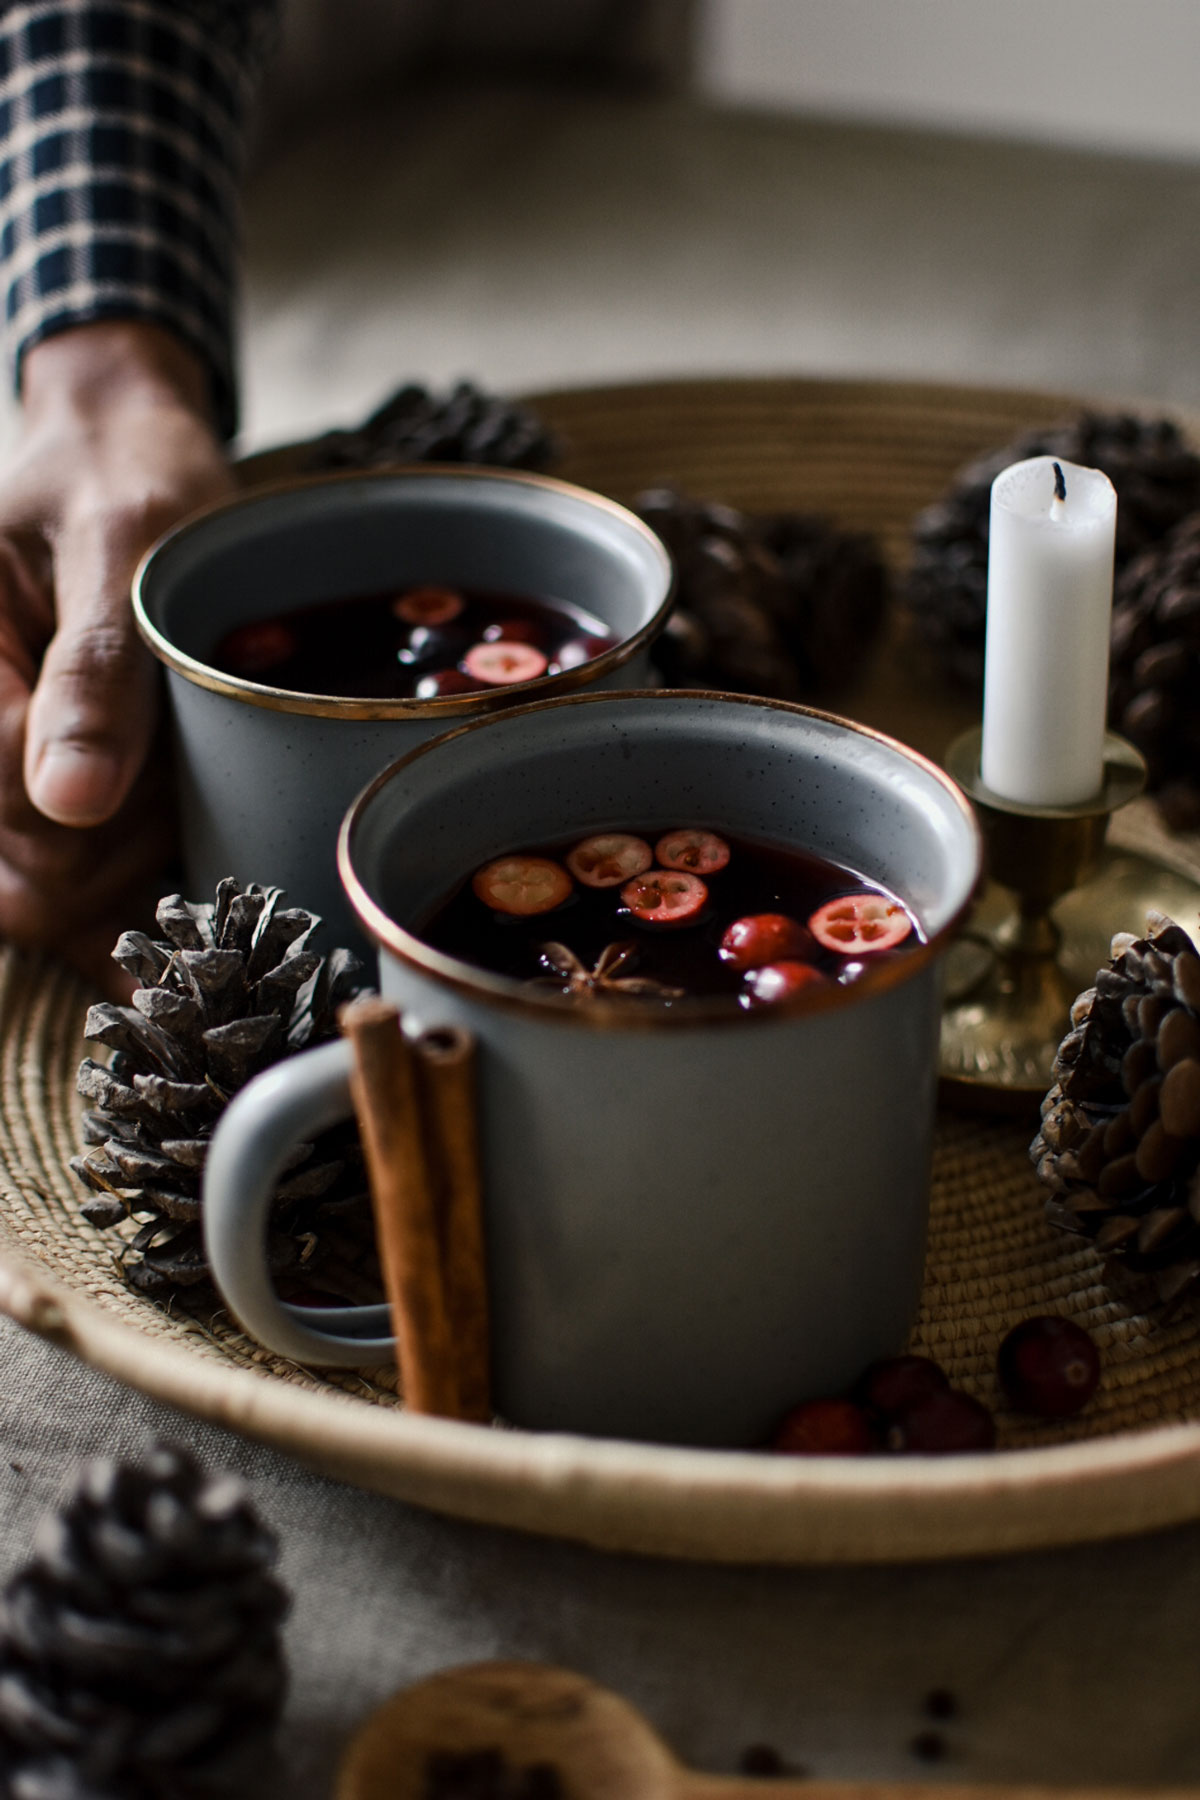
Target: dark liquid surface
column 360, row 648
column 759, row 878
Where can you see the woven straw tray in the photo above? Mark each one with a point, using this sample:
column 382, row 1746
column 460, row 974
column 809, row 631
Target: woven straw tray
column 868, row 454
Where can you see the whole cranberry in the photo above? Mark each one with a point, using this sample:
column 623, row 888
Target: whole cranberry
column 1049, row 1366
column 762, row 938
column 578, row 650
column 779, row 981
column 825, row 1428
column 900, row 1382
column 445, row 681
column 945, row 1421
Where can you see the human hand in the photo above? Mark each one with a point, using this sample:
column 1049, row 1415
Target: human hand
column 117, row 444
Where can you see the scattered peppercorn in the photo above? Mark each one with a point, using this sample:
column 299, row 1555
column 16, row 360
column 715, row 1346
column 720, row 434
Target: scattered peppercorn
column 487, row 1775
column 940, row 1703
column 761, row 1760
column 929, row 1746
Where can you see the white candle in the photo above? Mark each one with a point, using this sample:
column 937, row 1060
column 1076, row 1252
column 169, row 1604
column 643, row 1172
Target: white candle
column 1049, row 611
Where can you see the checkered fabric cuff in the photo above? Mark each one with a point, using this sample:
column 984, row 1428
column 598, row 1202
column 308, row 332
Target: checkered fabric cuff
column 121, row 149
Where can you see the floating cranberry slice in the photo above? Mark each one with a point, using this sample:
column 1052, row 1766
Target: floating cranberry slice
column 1048, row 1365
column 504, row 662
column 779, row 981
column 522, row 885
column 856, row 923
column 665, row 897
column 445, row 681
column 609, row 858
column 945, row 1422
column 824, row 1428
column 898, row 1383
column 252, row 649
column 428, row 605
column 763, row 938
column 702, row 852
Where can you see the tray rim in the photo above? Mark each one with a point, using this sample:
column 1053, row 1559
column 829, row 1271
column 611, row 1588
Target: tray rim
column 626, row 1497
column 731, row 1507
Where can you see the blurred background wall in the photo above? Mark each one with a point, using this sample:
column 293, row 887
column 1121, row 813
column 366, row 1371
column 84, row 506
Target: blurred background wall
column 1100, row 74
column 542, row 193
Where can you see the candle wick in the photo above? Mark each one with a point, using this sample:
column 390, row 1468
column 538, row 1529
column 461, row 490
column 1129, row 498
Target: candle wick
column 1060, row 485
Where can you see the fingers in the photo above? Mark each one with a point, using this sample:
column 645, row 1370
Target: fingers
column 92, row 713
column 61, row 886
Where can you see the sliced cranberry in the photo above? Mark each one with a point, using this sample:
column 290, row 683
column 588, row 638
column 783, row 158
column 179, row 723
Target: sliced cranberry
column 1049, row 1366
column 522, row 885
column 665, row 897
column 824, row 1428
column 900, row 1382
column 445, row 681
column 856, row 923
column 763, row 938
column 428, row 605
column 703, row 852
column 944, row 1422
column 252, row 649
column 779, row 981
column 503, row 662
column 609, row 859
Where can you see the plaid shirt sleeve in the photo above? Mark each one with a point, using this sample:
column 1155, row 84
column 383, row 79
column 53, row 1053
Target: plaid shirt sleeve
column 122, row 127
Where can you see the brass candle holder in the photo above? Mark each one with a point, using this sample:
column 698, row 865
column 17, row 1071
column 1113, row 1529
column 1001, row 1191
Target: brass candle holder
column 1042, row 927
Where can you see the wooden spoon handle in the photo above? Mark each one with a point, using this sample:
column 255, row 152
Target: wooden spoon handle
column 518, row 1716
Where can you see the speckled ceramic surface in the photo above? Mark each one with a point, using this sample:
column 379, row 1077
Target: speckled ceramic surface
column 266, row 774
column 695, row 1214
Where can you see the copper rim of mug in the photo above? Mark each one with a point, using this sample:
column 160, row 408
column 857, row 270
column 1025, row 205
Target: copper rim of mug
column 623, row 1014
column 329, row 706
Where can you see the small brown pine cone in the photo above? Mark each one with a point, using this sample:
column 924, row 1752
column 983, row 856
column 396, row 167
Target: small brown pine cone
column 465, row 425
column 232, row 987
column 1119, row 1144
column 1155, row 669
column 1157, row 479
column 782, row 605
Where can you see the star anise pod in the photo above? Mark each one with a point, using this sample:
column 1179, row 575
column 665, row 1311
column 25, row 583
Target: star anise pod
column 574, row 977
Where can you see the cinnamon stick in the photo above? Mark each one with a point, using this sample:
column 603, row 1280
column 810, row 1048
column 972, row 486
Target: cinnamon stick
column 384, row 1086
column 446, row 1065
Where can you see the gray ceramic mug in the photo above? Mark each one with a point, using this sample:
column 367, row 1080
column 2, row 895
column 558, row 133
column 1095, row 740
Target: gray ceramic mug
column 696, row 1215
column 266, row 774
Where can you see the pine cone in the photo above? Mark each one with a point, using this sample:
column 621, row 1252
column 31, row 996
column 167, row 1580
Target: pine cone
column 1155, row 673
column 1155, row 474
column 782, row 605
column 140, row 1652
column 464, row 426
column 1119, row 1145
column 232, row 989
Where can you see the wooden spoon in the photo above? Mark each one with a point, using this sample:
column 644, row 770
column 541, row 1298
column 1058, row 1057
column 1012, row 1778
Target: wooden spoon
column 599, row 1746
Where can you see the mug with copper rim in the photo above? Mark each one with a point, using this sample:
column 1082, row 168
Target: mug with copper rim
column 696, row 1215
column 264, row 774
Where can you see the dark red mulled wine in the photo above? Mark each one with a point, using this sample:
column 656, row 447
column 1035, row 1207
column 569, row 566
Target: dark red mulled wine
column 670, row 914
column 413, row 643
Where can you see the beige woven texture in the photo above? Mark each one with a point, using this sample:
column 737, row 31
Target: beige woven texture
column 869, row 455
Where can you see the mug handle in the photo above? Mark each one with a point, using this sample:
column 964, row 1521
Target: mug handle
column 283, row 1106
